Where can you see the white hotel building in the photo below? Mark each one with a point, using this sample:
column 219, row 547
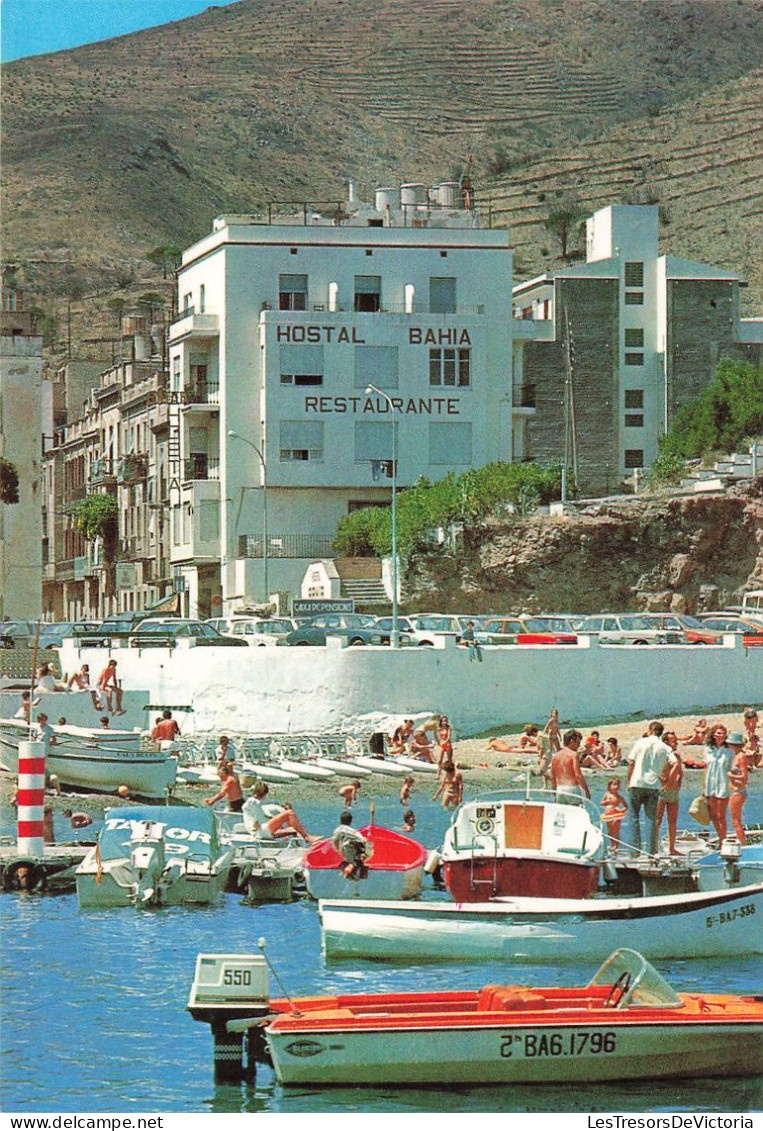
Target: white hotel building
column 282, row 327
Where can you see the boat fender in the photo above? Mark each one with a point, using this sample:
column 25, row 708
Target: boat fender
column 24, row 875
column 433, row 862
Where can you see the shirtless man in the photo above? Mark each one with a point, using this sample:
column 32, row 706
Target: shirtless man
column 109, row 688
column 566, row 775
column 230, row 790
column 166, row 730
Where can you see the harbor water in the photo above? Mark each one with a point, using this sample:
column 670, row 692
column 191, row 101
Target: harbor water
column 94, row 1017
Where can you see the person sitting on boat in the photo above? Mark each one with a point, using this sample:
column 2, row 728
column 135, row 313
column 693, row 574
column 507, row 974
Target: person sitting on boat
column 566, row 775
column 230, row 791
column 349, row 793
column 166, row 731
column 614, row 805
column 352, row 846
column 421, row 747
column 273, row 822
column 451, row 787
column 80, row 681
column 669, row 791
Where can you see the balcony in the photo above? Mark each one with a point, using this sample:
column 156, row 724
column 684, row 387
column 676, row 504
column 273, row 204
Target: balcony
column 65, row 570
column 102, row 471
column 201, row 394
column 200, row 466
column 310, row 546
column 73, row 495
column 132, row 469
column 533, row 329
column 132, row 549
column 189, row 324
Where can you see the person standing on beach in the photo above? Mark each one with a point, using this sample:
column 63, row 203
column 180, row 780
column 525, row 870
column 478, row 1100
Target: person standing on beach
column 230, row 790
column 566, row 775
column 553, row 731
column 648, row 764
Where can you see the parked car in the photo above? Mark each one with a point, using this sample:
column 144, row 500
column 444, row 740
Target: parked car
column 358, row 628
column 426, row 626
column 115, row 627
column 166, row 633
column 220, row 624
column 695, row 632
column 627, row 628
column 53, row 635
column 525, row 630
column 21, row 632
column 752, row 627
column 262, row 633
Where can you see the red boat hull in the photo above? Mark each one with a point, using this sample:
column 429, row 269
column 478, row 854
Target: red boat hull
column 475, row 880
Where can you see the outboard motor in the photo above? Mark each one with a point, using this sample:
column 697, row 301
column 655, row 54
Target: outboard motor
column 147, row 860
column 730, row 852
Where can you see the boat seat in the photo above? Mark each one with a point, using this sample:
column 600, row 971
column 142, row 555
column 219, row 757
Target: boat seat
column 494, row 999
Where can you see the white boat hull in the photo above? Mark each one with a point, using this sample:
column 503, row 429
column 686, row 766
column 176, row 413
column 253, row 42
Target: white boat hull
column 146, row 773
column 195, row 887
column 551, row 1052
column 323, row 883
column 381, row 766
column 265, row 772
column 306, row 769
column 696, row 925
column 416, row 764
column 351, row 769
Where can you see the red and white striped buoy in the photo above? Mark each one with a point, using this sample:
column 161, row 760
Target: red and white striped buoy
column 31, row 798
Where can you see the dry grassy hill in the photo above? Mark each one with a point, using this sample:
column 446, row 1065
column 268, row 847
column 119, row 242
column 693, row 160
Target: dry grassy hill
column 116, row 147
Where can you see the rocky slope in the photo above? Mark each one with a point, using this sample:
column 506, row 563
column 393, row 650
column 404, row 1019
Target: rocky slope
column 685, row 553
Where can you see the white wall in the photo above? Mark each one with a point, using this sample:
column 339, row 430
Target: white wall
column 277, row 690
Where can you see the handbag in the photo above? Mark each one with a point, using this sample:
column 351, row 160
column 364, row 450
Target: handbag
column 700, row 810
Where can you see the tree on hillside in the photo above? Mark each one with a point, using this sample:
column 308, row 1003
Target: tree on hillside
column 564, row 221
column 167, row 256
column 728, row 413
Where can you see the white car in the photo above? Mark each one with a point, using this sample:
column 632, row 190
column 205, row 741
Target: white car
column 427, row 626
column 262, row 633
column 627, row 628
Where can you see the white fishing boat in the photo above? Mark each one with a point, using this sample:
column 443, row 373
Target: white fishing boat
column 266, row 869
column 85, row 761
column 264, row 771
column 380, row 765
column 724, row 922
column 524, row 843
column 626, row 1023
column 306, row 769
column 417, row 765
column 154, row 856
column 351, row 769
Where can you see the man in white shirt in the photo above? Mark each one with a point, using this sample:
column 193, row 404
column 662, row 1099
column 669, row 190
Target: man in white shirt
column 648, row 763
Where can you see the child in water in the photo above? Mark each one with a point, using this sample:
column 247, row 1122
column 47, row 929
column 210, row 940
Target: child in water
column 615, row 808
column 405, row 790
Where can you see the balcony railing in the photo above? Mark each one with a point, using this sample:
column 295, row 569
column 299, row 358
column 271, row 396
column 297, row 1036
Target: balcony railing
column 524, row 396
column 201, row 467
column 311, row 546
column 348, row 307
column 131, row 549
column 132, row 468
column 102, row 470
column 202, row 392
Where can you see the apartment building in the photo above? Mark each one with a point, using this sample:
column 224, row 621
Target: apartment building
column 283, row 327
column 607, row 351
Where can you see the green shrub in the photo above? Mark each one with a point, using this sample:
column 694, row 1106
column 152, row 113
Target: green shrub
column 727, row 413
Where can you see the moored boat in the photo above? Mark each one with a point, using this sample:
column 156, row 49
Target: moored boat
column 524, row 843
column 626, row 1023
column 688, row 925
column 158, row 856
column 84, row 762
column 380, row 765
column 394, row 864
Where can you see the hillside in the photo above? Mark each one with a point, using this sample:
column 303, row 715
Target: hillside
column 683, row 553
column 117, row 147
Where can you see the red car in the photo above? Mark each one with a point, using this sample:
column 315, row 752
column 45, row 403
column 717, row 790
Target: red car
column 752, row 628
column 694, row 631
column 525, row 630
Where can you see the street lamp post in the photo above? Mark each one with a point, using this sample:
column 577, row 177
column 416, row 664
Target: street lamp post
column 235, row 436
column 394, row 635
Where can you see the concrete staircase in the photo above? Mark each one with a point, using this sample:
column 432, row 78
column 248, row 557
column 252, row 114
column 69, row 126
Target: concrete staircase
column 740, row 465
column 361, row 579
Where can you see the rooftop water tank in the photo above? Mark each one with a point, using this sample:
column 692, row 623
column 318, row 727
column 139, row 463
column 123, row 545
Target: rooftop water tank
column 448, row 194
column 387, row 198
column 413, row 194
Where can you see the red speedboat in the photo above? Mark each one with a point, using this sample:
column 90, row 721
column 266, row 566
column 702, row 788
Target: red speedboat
column 393, row 868
column 523, row 843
